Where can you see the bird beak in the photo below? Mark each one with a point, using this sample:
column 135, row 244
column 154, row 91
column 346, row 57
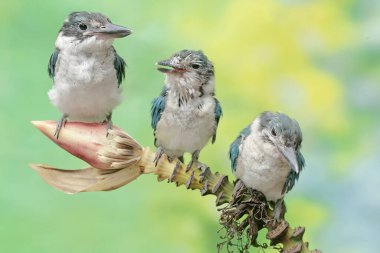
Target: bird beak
column 113, row 31
column 290, row 155
column 167, row 66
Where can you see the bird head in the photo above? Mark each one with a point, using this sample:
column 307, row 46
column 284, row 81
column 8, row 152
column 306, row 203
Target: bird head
column 284, row 133
column 188, row 68
column 92, row 28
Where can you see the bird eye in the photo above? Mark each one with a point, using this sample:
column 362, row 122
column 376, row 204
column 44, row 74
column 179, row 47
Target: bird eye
column 82, row 27
column 195, row 66
column 273, row 132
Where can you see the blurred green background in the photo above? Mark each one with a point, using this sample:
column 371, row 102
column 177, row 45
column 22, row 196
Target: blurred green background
column 317, row 61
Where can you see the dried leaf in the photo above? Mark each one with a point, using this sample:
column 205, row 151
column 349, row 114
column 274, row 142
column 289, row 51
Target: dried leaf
column 87, row 179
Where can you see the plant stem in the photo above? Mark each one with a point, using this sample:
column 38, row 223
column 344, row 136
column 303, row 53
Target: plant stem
column 119, row 159
column 200, row 179
column 218, row 184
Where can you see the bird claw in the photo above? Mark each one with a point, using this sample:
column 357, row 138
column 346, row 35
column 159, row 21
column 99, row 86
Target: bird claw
column 61, row 123
column 109, row 127
column 198, row 165
column 194, row 160
column 201, row 166
column 189, row 165
column 170, row 159
column 277, row 218
column 109, row 123
column 279, row 211
column 158, row 156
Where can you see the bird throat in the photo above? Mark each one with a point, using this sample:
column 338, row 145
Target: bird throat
column 184, row 89
column 185, row 94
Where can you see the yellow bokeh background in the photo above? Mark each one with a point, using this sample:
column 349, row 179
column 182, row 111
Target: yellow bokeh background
column 317, row 61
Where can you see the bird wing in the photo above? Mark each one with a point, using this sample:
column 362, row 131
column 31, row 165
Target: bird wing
column 119, row 65
column 236, row 145
column 293, row 176
column 158, row 106
column 218, row 114
column 52, row 62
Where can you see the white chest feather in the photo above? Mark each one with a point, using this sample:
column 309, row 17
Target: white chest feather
column 186, row 128
column 85, row 83
column 261, row 166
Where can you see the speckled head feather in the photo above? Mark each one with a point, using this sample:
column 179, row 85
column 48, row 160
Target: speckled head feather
column 281, row 126
column 188, row 74
column 84, row 24
column 77, row 20
column 189, row 60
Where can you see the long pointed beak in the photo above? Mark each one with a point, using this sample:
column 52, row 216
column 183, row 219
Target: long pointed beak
column 113, row 31
column 290, row 155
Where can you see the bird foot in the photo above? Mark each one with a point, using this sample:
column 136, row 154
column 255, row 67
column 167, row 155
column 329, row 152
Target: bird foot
column 109, row 127
column 158, row 156
column 194, row 161
column 170, row 159
column 279, row 211
column 201, row 166
column 189, row 165
column 197, row 165
column 238, row 188
column 109, row 123
column 61, row 123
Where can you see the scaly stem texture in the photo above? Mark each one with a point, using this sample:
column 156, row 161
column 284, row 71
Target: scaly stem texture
column 194, row 178
column 119, row 159
column 242, row 208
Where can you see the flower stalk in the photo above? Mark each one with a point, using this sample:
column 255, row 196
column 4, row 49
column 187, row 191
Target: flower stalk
column 118, row 159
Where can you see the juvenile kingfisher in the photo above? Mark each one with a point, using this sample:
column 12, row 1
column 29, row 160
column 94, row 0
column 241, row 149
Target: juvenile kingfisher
column 86, row 69
column 186, row 114
column 266, row 157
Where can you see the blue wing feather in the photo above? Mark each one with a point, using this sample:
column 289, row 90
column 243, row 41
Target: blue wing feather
column 218, row 114
column 119, row 65
column 235, row 146
column 293, row 176
column 158, row 106
column 52, row 62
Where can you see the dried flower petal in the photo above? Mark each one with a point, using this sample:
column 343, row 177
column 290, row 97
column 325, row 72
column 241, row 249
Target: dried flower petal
column 87, row 179
column 82, row 140
column 113, row 159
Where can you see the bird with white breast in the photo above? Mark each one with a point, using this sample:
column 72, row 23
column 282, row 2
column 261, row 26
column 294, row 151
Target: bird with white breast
column 266, row 157
column 186, row 114
column 86, row 69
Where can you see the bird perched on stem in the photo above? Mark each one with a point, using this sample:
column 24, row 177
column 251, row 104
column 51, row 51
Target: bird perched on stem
column 86, row 69
column 186, row 114
column 266, row 157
